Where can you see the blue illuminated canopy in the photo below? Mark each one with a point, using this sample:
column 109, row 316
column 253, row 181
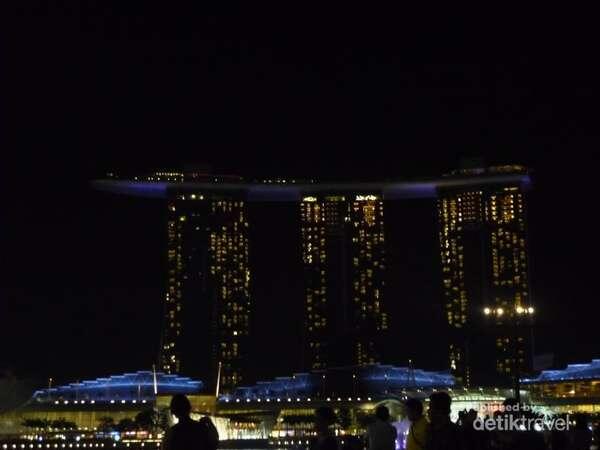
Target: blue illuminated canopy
column 138, row 386
column 389, row 377
column 573, row 372
column 370, row 380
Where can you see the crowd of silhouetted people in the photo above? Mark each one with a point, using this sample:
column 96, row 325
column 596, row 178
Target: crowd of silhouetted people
column 432, row 431
column 436, row 431
column 439, row 432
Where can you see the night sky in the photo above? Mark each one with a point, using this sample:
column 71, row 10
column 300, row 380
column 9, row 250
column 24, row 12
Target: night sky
column 121, row 87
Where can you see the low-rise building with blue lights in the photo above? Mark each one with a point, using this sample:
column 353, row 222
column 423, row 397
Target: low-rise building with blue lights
column 573, row 389
column 120, row 397
column 374, row 380
column 142, row 386
column 343, row 255
column 282, row 409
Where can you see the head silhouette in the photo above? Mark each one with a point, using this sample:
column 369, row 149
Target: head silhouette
column 382, row 413
column 439, row 408
column 414, row 409
column 180, row 406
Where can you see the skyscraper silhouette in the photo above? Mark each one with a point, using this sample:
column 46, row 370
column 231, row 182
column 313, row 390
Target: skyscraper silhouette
column 485, row 273
column 343, row 253
column 208, row 277
column 207, row 304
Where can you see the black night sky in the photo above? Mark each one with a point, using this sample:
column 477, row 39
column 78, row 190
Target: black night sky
column 126, row 87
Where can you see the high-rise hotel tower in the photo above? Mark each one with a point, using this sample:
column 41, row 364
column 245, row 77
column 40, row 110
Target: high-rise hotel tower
column 343, row 248
column 483, row 243
column 207, row 276
column 485, row 272
column 207, row 300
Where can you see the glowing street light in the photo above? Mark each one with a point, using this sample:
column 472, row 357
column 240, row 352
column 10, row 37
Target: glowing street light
column 516, row 323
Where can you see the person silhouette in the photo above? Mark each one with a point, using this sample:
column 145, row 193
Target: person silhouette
column 188, row 434
column 443, row 433
column 417, row 433
column 381, row 434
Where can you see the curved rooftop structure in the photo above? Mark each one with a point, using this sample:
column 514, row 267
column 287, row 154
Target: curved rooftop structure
column 573, row 372
column 140, row 386
column 382, row 377
column 371, row 380
column 158, row 184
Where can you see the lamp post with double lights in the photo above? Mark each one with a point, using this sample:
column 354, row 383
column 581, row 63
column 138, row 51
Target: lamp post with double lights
column 515, row 320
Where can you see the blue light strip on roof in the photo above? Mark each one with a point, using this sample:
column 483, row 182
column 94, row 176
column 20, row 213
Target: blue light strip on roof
column 376, row 378
column 572, row 372
column 127, row 386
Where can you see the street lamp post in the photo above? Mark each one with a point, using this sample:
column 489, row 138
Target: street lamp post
column 515, row 324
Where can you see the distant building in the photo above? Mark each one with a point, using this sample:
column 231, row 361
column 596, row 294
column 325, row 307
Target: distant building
column 137, row 387
column 280, row 410
column 370, row 382
column 119, row 397
column 573, row 389
column 284, row 406
column 208, row 307
column 207, row 303
column 485, row 272
column 343, row 253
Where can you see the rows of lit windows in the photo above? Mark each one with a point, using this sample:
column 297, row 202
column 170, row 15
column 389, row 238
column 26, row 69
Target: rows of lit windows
column 505, row 207
column 228, row 245
column 499, row 215
column 510, row 352
column 225, row 225
column 452, row 257
column 509, row 255
column 180, row 177
column 170, row 358
column 313, row 233
column 365, row 353
column 507, row 168
column 458, row 365
column 314, row 257
column 164, row 176
column 284, row 181
column 323, row 219
column 566, row 389
column 368, row 264
column 453, row 211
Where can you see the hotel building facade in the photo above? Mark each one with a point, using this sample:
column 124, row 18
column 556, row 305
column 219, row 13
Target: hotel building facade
column 485, row 276
column 208, row 306
column 343, row 254
column 208, row 275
